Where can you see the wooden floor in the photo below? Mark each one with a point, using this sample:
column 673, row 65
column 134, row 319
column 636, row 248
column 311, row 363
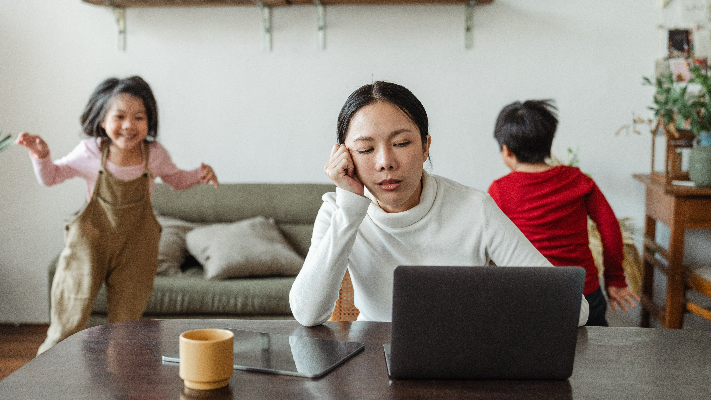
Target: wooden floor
column 18, row 345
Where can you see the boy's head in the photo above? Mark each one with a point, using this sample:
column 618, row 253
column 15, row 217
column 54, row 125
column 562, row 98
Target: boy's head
column 527, row 129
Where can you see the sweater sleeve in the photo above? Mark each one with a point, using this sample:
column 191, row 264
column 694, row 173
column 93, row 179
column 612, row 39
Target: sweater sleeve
column 162, row 166
column 314, row 292
column 507, row 246
column 81, row 162
column 601, row 213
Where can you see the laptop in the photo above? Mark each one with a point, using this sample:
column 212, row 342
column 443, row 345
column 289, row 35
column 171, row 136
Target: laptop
column 484, row 322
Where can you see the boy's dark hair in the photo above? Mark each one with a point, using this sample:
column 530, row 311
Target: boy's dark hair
column 527, row 129
column 100, row 101
column 393, row 93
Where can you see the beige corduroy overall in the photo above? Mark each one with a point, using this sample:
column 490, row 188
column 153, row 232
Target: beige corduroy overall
column 114, row 239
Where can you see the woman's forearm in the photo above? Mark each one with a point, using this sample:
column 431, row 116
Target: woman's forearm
column 315, row 290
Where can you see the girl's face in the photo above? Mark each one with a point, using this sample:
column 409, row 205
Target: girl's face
column 388, row 153
column 126, row 122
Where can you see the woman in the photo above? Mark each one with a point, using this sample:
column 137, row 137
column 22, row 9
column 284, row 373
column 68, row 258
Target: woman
column 387, row 211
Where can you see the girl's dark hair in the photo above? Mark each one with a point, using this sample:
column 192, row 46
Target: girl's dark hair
column 393, row 93
column 527, row 129
column 100, row 101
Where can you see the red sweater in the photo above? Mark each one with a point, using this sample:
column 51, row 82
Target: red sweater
column 551, row 210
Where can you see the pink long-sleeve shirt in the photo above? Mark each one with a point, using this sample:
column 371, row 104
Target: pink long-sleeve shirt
column 85, row 162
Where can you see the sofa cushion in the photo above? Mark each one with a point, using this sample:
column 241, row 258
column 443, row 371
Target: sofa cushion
column 172, row 249
column 252, row 247
column 190, row 294
column 298, row 236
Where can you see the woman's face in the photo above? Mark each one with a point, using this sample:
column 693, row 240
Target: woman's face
column 388, row 154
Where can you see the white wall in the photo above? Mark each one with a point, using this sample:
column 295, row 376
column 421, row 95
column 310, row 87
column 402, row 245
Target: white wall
column 259, row 116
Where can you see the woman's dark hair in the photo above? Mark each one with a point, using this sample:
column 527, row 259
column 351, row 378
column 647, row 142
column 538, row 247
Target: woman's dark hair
column 393, row 93
column 100, row 101
column 527, row 129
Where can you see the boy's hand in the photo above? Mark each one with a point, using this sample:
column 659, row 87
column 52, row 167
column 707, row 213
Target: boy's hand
column 38, row 148
column 207, row 175
column 341, row 170
column 619, row 296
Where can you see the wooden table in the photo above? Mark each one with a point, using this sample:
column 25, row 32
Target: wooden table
column 123, row 361
column 679, row 208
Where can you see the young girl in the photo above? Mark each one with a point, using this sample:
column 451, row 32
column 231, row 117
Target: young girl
column 114, row 239
column 387, row 211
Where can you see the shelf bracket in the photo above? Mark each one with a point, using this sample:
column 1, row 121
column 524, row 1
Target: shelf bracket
column 120, row 15
column 469, row 29
column 321, row 24
column 267, row 23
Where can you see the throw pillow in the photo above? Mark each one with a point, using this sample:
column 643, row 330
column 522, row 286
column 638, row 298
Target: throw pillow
column 251, row 247
column 172, row 249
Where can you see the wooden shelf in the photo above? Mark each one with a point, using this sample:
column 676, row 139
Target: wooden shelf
column 267, row 3
column 119, row 8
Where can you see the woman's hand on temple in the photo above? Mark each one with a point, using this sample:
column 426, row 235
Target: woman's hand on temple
column 38, row 148
column 341, row 170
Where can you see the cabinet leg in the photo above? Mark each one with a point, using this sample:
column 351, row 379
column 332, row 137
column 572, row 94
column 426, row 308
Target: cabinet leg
column 650, row 232
column 675, row 279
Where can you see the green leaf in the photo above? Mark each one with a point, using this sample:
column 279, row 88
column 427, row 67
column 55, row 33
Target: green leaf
column 5, row 142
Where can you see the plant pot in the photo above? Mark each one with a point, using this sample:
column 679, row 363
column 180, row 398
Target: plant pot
column 704, row 138
column 700, row 165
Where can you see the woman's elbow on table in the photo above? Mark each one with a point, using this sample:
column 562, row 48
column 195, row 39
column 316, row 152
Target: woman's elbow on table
column 306, row 316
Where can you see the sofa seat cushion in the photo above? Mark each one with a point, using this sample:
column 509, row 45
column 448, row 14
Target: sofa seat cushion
column 190, row 293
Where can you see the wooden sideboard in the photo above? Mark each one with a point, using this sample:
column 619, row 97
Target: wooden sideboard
column 679, row 208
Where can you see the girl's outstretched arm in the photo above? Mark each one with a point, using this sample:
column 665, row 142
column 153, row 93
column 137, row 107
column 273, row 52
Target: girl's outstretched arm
column 162, row 166
column 38, row 148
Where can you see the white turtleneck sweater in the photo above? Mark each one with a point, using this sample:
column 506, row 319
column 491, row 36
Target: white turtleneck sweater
column 453, row 225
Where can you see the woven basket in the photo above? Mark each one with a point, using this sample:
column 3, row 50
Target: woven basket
column 632, row 262
column 345, row 309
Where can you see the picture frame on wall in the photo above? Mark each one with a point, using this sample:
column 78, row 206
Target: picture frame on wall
column 680, row 43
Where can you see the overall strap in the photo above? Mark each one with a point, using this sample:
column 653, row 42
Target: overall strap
column 147, row 151
column 104, row 153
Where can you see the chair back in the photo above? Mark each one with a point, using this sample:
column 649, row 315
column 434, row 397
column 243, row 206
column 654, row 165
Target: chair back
column 345, row 309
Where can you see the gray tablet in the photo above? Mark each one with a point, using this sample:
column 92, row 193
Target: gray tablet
column 284, row 354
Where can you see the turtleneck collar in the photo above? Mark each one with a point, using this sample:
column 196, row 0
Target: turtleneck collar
column 409, row 217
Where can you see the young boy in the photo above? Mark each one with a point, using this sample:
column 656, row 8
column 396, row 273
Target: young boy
column 550, row 205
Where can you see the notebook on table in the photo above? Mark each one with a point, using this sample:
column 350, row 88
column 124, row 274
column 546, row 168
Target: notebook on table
column 484, row 322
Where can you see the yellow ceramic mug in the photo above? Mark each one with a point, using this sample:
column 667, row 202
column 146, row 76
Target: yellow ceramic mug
column 206, row 358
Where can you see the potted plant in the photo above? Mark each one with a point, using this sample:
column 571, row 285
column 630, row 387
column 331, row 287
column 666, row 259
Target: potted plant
column 683, row 108
column 700, row 155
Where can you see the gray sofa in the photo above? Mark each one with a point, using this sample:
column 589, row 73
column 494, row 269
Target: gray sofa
column 188, row 295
